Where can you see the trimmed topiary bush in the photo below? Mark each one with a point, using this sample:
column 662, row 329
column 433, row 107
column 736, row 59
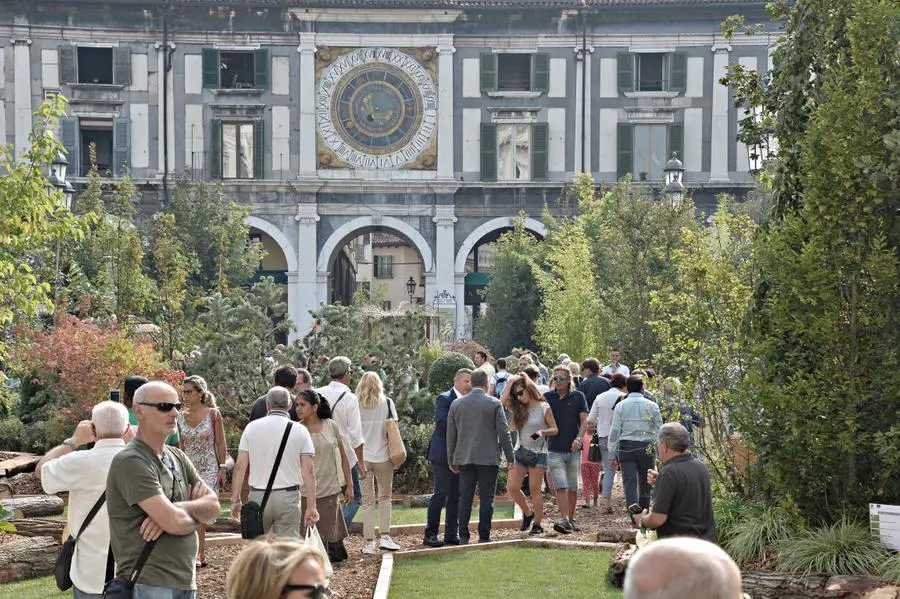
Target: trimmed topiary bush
column 444, row 369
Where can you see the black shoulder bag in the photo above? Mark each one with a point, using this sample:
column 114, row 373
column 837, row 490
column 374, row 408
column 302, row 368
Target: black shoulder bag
column 252, row 512
column 64, row 559
column 123, row 588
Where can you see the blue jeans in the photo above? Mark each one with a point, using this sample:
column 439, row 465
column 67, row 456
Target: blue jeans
column 142, row 591
column 79, row 594
column 564, row 467
column 609, row 474
column 446, row 494
column 486, row 479
column 635, row 458
column 351, row 508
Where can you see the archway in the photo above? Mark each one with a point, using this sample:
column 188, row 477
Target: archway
column 385, row 255
column 279, row 262
column 471, row 279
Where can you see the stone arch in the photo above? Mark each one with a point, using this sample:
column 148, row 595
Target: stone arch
column 280, row 238
column 347, row 230
column 504, row 222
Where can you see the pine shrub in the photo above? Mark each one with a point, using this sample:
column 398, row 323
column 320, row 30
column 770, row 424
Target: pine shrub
column 843, row 548
column 444, row 369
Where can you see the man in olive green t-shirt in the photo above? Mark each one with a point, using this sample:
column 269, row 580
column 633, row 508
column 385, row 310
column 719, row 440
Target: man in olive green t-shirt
column 132, row 384
column 153, row 492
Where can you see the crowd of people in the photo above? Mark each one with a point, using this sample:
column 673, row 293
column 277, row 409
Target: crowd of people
column 311, row 458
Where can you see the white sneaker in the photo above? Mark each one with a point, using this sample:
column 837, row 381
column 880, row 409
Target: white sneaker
column 388, row 543
column 369, row 548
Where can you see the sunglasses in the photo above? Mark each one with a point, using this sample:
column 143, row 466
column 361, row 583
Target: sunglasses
column 317, row 591
column 560, row 377
column 165, row 406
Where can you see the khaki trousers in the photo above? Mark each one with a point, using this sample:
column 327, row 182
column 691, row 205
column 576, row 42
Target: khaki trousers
column 382, row 474
column 282, row 515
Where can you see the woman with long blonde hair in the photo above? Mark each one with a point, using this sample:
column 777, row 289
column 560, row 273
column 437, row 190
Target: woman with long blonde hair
column 374, row 410
column 202, row 434
column 533, row 420
column 277, row 571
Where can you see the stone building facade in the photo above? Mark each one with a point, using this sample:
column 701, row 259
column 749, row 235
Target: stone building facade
column 434, row 120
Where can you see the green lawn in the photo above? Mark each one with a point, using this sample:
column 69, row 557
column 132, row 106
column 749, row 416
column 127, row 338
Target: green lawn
column 36, row 588
column 419, row 515
column 504, row 573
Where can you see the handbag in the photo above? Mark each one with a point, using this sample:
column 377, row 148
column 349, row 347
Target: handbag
column 526, row 457
column 595, row 454
column 123, row 588
column 396, row 448
column 252, row 512
column 67, row 552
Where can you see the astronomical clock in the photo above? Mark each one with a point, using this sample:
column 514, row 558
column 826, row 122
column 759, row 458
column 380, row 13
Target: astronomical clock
column 376, row 108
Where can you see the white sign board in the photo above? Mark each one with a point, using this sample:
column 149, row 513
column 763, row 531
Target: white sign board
column 884, row 522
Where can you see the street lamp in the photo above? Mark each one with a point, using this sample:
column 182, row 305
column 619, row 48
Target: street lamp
column 411, row 289
column 445, row 302
column 674, row 177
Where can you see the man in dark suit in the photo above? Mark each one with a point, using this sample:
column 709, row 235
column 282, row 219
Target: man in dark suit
column 446, row 483
column 476, row 432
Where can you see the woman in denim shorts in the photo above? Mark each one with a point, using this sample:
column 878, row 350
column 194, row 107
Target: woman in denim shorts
column 533, row 420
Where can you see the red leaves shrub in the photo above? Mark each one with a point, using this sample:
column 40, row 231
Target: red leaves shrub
column 466, row 347
column 79, row 362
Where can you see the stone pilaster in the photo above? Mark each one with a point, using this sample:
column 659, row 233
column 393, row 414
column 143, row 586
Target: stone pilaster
column 719, row 145
column 445, row 51
column 307, row 50
column 303, row 288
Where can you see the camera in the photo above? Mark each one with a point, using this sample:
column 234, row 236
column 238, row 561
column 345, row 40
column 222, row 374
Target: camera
column 634, row 509
column 114, row 395
column 535, row 436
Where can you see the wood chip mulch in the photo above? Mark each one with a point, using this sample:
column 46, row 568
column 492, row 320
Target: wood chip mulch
column 356, row 577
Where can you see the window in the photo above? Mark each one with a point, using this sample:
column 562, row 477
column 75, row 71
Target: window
column 515, row 72
column 384, row 267
column 652, row 72
column 111, row 138
column 386, row 305
column 95, row 65
column 100, row 135
column 514, row 151
column 237, row 150
column 643, row 149
column 235, row 69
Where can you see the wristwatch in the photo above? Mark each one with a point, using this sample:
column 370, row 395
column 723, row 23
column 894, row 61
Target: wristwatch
column 70, row 442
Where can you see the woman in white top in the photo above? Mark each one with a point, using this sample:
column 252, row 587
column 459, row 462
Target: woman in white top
column 533, row 419
column 374, row 410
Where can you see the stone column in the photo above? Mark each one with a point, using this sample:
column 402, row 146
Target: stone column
column 719, row 146
column 307, row 50
column 444, row 252
column 22, row 95
column 459, row 290
column 445, row 51
column 303, row 292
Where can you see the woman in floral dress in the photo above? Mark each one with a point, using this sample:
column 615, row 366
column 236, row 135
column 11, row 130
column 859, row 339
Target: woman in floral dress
column 203, row 441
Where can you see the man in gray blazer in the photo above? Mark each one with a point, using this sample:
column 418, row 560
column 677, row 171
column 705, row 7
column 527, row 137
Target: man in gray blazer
column 476, row 431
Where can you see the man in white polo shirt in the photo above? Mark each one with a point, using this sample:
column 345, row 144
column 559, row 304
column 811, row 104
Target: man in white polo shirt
column 259, row 446
column 345, row 412
column 83, row 475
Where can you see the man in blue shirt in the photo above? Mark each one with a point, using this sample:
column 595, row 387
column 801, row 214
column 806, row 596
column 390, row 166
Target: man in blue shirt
column 636, row 421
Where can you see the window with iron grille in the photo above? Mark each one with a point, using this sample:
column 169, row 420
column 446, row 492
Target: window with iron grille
column 384, row 267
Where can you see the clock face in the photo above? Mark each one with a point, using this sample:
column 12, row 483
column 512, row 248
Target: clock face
column 376, row 108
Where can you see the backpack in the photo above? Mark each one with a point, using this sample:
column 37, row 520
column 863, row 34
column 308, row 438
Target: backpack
column 501, row 382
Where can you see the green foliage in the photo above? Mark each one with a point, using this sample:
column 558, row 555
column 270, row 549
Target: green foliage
column 821, row 401
column 444, row 369
column 890, row 569
column 729, row 508
column 843, row 548
column 5, row 517
column 31, row 221
column 416, row 407
column 12, row 431
column 512, row 296
column 415, row 474
column 760, row 529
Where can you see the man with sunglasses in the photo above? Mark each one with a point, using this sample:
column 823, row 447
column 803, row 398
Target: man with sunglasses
column 83, row 475
column 570, row 412
column 154, row 493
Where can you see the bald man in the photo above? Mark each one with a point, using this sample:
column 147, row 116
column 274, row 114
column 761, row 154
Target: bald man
column 682, row 568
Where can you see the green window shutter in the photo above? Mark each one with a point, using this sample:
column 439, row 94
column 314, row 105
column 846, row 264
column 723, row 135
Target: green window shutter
column 261, row 68
column 625, row 138
column 540, row 139
column 540, row 73
column 677, row 72
column 675, row 141
column 211, row 68
column 215, row 162
column 122, row 58
column 259, row 149
column 68, row 136
column 488, row 72
column 626, row 72
column 488, row 152
column 68, row 70
column 121, row 145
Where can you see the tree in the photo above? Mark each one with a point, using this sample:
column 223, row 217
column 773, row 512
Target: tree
column 512, row 298
column 824, row 412
column 31, row 220
column 172, row 266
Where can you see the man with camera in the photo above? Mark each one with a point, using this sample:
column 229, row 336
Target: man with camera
column 83, row 475
column 682, row 496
